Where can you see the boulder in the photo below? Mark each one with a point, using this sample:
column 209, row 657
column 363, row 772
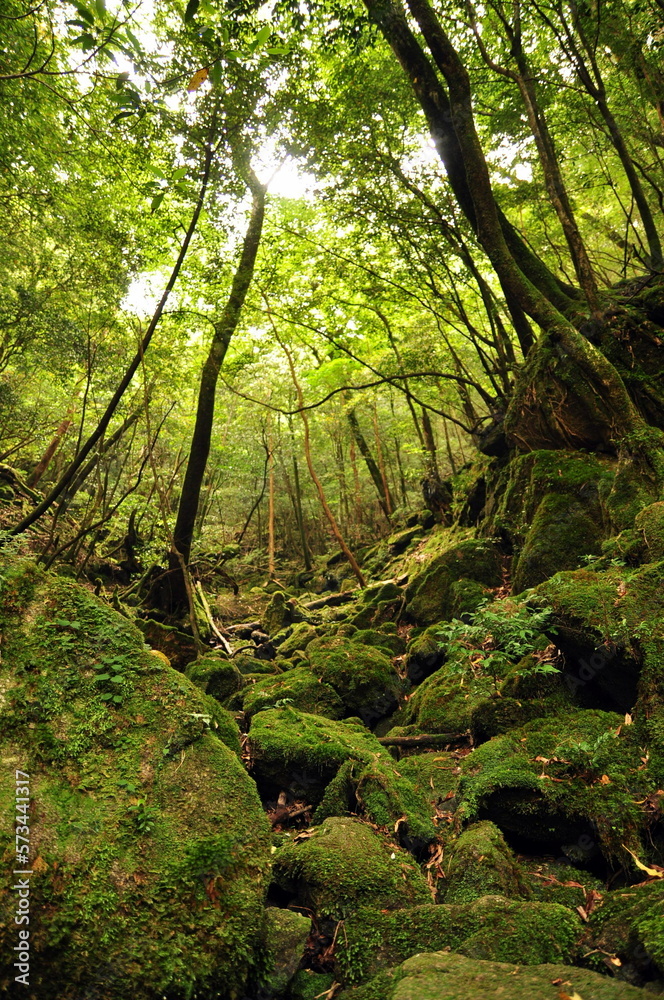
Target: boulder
column 149, row 849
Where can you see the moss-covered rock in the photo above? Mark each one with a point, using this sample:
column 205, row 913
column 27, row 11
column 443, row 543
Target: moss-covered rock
column 569, row 781
column 248, row 664
column 449, row 976
column 562, row 532
column 480, row 863
column 304, row 753
column 361, row 675
column 299, row 687
column 342, row 865
column 558, row 881
column 436, row 592
column 444, row 702
column 389, row 643
column 426, row 652
column 650, row 523
column 299, row 638
column 179, row 647
column 287, row 934
column 216, row 676
column 491, row 928
column 149, row 846
column 309, row 985
column 629, row 923
column 609, row 622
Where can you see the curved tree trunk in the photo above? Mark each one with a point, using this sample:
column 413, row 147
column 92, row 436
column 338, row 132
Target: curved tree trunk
column 173, row 592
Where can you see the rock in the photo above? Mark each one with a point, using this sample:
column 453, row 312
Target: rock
column 490, row 928
column 390, row 644
column 650, row 523
column 629, row 923
column 562, row 532
column 447, row 976
column 362, row 676
column 400, row 540
column 309, row 985
column 479, row 863
column 299, row 687
column 300, row 637
column 570, row 783
column 434, row 592
column 609, row 624
column 334, row 764
column 287, row 934
column 216, row 676
column 149, row 846
column 426, row 652
column 342, row 865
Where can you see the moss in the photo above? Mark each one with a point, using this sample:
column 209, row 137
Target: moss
column 490, row 928
column 425, row 654
column 431, row 592
column 300, row 636
column 390, row 644
column 560, row 882
column 150, row 846
column 300, row 687
column 445, row 976
column 288, row 745
column 179, row 647
column 563, row 530
column 308, row 985
column 217, row 677
column 565, row 780
column 444, row 702
column 362, row 676
column 344, row 864
column 650, row 524
column 379, row 790
column 630, row 924
column 287, row 934
column 610, row 624
column 479, row 863
column 312, row 755
column 248, row 664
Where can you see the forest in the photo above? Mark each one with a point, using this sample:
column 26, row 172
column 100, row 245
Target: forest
column 332, row 499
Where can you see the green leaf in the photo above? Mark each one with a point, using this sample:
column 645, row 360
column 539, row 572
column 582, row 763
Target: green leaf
column 107, row 696
column 180, row 173
column 117, row 679
column 102, row 677
column 86, row 41
column 100, row 7
column 278, row 50
column 156, row 201
column 263, row 35
column 216, row 73
column 85, row 12
column 123, row 114
column 192, row 8
column 121, row 80
column 117, row 698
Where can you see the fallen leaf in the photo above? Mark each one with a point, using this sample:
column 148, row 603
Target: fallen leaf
column 655, row 872
column 605, row 780
column 582, row 913
column 628, row 719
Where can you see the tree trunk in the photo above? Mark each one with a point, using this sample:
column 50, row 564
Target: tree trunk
column 200, row 443
column 365, row 451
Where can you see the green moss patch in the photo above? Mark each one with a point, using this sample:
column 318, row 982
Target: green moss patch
column 150, row 849
column 344, row 864
column 362, row 676
column 445, row 976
